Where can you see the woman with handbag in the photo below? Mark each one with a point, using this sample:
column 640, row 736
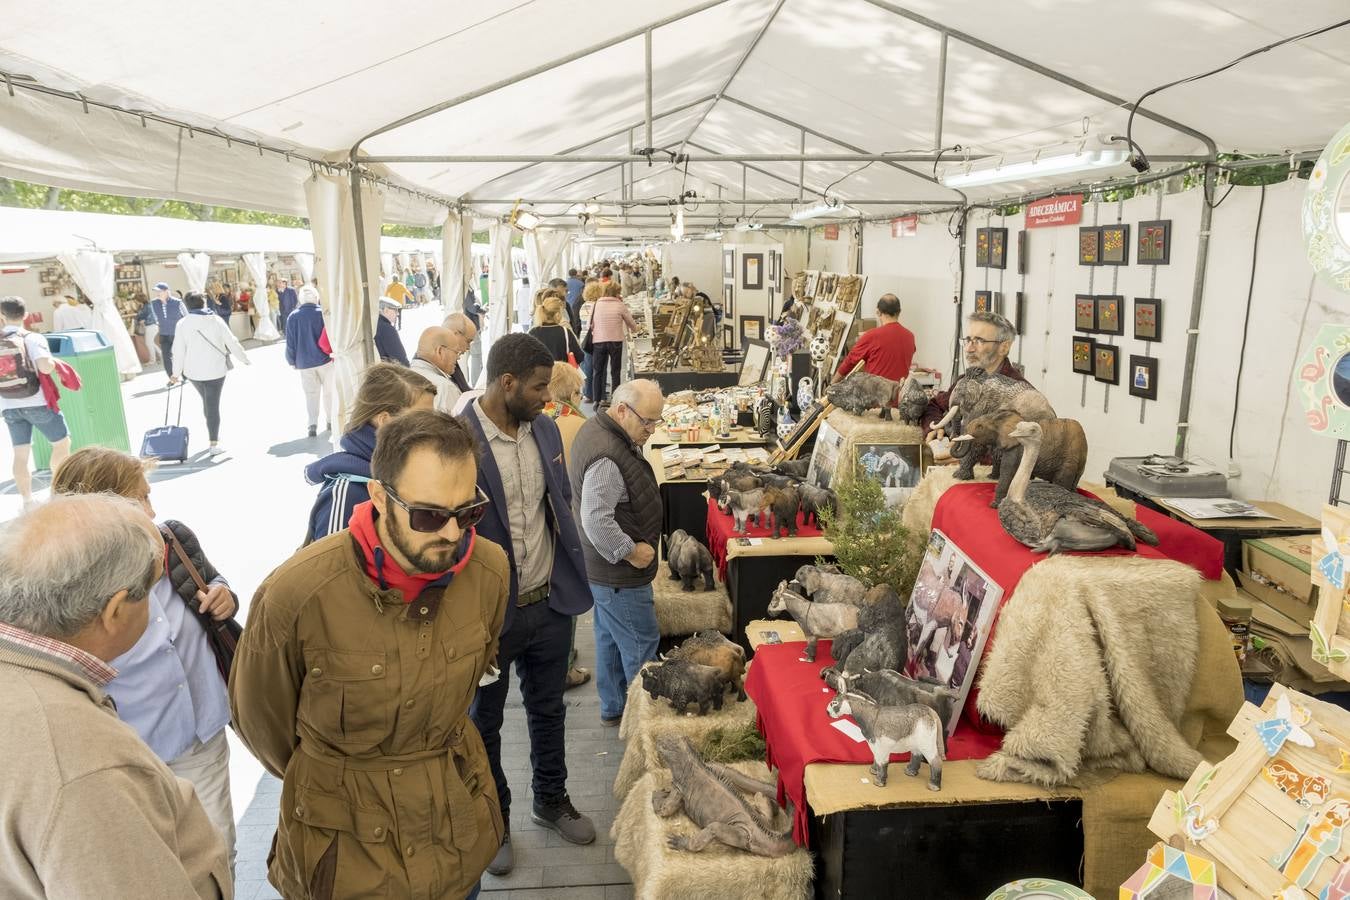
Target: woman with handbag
column 203, row 347
column 170, row 686
column 610, row 323
column 554, row 332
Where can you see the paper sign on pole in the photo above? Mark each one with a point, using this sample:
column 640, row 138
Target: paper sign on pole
column 831, row 232
column 905, row 226
column 1065, row 209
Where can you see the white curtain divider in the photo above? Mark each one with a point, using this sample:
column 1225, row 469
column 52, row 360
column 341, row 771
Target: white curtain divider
column 387, row 264
column 551, row 245
column 196, row 266
column 457, row 254
column 256, row 263
column 404, row 262
column 335, row 244
column 306, row 263
column 93, row 272
column 534, row 262
column 501, row 287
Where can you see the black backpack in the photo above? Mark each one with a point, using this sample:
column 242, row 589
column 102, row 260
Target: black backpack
column 18, row 378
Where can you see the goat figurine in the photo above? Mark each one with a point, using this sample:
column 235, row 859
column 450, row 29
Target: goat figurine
column 743, row 505
column 818, row 620
column 912, row 729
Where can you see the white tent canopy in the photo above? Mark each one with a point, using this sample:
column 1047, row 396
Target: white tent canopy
column 727, row 77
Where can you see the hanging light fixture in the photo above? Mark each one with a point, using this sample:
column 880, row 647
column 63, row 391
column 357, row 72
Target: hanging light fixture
column 828, row 206
column 747, row 225
column 523, row 219
column 1088, row 154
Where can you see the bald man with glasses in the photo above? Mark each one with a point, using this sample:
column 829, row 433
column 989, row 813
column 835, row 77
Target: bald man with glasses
column 986, row 344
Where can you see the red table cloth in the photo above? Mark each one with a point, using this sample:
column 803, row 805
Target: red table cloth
column 791, row 698
column 721, row 529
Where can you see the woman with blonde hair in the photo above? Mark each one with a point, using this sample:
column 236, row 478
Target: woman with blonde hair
column 553, row 332
column 169, row 687
column 610, row 321
column 565, row 409
column 387, row 390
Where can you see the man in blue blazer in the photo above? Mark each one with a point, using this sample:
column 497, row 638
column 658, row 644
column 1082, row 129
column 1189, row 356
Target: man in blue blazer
column 523, row 474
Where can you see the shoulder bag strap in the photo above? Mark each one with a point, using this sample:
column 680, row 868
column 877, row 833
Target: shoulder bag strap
column 187, row 561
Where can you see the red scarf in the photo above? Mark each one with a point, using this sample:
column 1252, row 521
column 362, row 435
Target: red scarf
column 381, row 566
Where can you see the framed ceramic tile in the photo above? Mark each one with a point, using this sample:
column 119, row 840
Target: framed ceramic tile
column 1109, row 319
column 752, row 271
column 1115, row 245
column 1083, row 348
column 982, row 248
column 984, row 301
column 1089, row 247
column 1154, row 247
column 728, row 265
column 1143, row 374
column 998, row 248
column 1084, row 313
column 752, row 329
column 1147, row 319
column 1106, row 363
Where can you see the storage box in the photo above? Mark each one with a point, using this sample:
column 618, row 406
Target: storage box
column 1123, row 474
column 1278, row 570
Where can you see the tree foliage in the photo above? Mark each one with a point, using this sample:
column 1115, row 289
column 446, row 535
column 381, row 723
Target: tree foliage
column 869, row 542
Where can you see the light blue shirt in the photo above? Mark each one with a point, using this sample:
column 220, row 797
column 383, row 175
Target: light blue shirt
column 167, row 686
column 602, row 489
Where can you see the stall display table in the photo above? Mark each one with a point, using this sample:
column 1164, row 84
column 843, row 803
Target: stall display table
column 737, row 436
column 1232, row 532
column 683, row 378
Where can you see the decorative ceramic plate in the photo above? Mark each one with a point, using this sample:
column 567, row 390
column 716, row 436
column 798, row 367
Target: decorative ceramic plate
column 1324, row 382
column 1039, row 889
column 1326, row 222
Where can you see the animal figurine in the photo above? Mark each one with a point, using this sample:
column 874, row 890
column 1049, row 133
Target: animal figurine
column 814, row 500
column 794, row 468
column 880, row 640
column 712, row 648
column 1048, row 518
column 861, row 391
column 830, row 587
column 979, row 393
column 913, row 402
column 1061, row 461
column 711, row 796
column 688, row 559
column 683, row 682
column 914, row 729
column 889, row 688
column 772, row 480
column 818, row 620
column 743, row 505
column 785, row 503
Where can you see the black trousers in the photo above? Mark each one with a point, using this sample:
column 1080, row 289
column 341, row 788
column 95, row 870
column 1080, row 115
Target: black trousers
column 610, row 352
column 166, row 351
column 538, row 642
column 210, row 391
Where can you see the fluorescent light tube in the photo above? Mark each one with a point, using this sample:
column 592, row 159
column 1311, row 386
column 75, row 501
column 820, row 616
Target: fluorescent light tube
column 1034, row 167
column 748, row 226
column 827, row 207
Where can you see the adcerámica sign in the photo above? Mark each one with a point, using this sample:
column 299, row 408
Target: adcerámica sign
column 1065, row 209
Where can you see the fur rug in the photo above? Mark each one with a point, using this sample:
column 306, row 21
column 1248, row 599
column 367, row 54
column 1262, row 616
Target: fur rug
column 918, row 513
column 678, row 613
column 717, row 873
column 644, row 718
column 1091, row 667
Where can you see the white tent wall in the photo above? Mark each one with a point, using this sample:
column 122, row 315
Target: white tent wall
column 921, row 271
column 829, row 255
column 255, row 267
column 501, row 286
column 458, row 259
column 696, row 261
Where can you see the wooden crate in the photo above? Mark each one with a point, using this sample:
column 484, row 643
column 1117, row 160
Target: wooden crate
column 1331, row 625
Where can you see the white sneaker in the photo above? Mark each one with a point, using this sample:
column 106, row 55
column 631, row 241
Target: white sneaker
column 215, row 450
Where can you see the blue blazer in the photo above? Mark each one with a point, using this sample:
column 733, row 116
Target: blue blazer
column 569, row 588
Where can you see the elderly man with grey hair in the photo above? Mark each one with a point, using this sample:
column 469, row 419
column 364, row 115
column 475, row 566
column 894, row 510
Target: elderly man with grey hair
column 89, row 810
column 986, row 343
column 464, row 331
column 619, row 507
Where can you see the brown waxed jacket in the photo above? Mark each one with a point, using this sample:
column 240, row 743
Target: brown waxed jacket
column 360, row 703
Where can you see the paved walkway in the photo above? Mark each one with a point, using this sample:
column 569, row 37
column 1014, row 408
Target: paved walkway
column 249, row 507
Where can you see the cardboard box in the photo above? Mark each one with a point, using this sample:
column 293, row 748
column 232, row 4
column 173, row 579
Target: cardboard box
column 1278, row 570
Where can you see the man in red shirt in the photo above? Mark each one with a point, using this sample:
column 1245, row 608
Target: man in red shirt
column 887, row 350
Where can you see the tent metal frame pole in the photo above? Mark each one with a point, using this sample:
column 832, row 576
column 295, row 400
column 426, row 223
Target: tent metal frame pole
column 648, row 48
column 941, row 92
column 530, row 73
column 1197, row 303
column 764, row 172
column 770, row 201
column 358, row 220
column 801, row 169
column 1039, row 69
column 745, row 174
column 639, row 157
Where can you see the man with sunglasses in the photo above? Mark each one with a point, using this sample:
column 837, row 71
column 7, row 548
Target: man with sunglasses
column 353, row 679
column 524, row 474
column 619, row 506
column 986, row 343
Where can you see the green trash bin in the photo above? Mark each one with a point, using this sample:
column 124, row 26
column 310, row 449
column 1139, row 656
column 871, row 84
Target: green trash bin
column 482, row 291
column 94, row 414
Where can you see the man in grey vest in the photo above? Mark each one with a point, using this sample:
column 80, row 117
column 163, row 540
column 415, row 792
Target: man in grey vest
column 619, row 508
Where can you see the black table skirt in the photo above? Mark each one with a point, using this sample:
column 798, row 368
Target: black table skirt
column 751, row 581
column 684, row 506
column 691, row 381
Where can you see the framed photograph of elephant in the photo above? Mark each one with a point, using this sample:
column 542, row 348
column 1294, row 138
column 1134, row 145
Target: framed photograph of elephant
column 895, row 466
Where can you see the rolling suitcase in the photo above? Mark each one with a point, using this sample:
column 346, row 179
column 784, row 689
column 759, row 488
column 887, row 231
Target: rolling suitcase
column 168, row 442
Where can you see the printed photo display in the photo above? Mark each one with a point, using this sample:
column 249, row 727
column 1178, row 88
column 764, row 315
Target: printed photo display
column 895, row 466
column 1144, row 377
column 950, row 613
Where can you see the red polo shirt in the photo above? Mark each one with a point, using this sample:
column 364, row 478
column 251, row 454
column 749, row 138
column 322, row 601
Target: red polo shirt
column 887, row 350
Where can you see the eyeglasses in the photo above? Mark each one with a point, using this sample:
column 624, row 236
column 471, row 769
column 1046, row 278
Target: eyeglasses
column 430, row 519
column 971, row 339
column 649, row 424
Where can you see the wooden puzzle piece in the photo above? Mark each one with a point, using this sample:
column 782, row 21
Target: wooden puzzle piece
column 1306, row 790
column 1317, row 839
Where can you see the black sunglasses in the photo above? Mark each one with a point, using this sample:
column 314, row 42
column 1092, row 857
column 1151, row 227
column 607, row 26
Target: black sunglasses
column 430, row 519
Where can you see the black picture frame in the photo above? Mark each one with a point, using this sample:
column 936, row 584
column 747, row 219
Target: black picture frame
column 1143, row 377
column 1115, row 245
column 1106, row 363
column 1147, row 319
column 982, row 248
column 752, row 263
column 1083, row 350
column 984, row 301
column 728, row 265
column 758, row 329
column 728, row 299
column 1084, row 313
column 774, row 262
column 1019, row 312
column 1109, row 314
column 1153, row 243
column 1022, row 252
column 1089, row 246
column 998, row 248
column 755, row 362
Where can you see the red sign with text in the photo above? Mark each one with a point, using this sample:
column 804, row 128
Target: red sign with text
column 831, row 232
column 905, row 226
column 1065, row 209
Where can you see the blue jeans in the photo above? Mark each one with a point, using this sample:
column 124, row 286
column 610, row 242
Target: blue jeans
column 626, row 635
column 473, row 894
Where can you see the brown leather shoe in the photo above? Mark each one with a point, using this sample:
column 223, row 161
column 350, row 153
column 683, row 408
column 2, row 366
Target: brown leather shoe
column 576, row 677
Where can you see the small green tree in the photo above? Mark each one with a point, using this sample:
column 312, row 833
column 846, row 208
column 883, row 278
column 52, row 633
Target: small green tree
column 869, row 542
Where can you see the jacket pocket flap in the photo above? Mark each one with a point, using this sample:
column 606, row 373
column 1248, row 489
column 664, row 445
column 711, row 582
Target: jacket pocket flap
column 335, row 814
column 345, row 665
column 467, row 641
